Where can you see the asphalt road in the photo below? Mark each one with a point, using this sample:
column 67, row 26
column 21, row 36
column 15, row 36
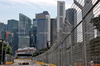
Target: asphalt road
column 16, row 63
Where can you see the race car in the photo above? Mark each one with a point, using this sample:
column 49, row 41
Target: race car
column 24, row 63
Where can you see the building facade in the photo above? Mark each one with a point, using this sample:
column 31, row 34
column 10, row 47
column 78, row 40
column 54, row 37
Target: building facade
column 24, row 23
column 33, row 36
column 53, row 30
column 12, row 28
column 60, row 15
column 25, row 53
column 33, row 33
column 34, row 22
column 2, row 31
column 71, row 16
column 43, row 30
column 12, row 24
column 23, row 30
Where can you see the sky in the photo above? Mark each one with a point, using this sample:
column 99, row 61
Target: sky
column 10, row 9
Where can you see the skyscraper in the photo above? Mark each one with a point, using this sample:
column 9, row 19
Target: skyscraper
column 53, row 30
column 2, row 31
column 71, row 16
column 43, row 30
column 12, row 24
column 33, row 33
column 60, row 15
column 15, row 41
column 12, row 27
column 2, row 27
column 24, row 23
column 23, row 30
column 6, row 27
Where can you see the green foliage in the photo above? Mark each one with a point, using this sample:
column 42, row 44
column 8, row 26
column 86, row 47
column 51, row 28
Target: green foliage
column 7, row 49
column 40, row 51
column 35, row 54
column 96, row 22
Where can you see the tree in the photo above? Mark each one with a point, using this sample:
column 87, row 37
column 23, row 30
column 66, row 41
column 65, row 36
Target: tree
column 96, row 22
column 35, row 54
column 7, row 48
column 40, row 51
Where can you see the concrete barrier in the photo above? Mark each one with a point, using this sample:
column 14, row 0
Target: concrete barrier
column 41, row 63
column 44, row 64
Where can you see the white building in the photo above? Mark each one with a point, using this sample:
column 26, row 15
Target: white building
column 24, row 41
column 25, row 52
column 60, row 15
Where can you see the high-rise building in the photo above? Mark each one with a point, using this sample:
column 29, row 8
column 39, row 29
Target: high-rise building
column 12, row 27
column 60, row 15
column 71, row 16
column 34, row 36
column 34, row 22
column 33, row 33
column 23, row 41
column 67, row 29
column 2, row 31
column 5, row 27
column 43, row 30
column 12, row 24
column 2, row 27
column 24, row 23
column 88, row 29
column 53, row 30
column 23, row 30
column 15, row 41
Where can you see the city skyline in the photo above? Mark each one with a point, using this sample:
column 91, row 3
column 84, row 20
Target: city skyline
column 12, row 8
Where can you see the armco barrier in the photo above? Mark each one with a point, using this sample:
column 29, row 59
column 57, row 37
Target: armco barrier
column 51, row 64
column 7, row 63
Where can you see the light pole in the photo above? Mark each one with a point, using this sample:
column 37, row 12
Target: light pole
column 2, row 51
column 6, row 44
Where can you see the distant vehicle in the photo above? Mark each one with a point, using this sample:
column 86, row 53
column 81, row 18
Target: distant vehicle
column 24, row 63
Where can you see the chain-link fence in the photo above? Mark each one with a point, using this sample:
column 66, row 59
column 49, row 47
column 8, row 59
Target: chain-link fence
column 9, row 58
column 78, row 44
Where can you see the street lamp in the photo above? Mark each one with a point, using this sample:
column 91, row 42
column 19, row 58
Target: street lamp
column 6, row 44
column 1, row 41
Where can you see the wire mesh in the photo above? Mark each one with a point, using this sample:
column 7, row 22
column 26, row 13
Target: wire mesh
column 85, row 50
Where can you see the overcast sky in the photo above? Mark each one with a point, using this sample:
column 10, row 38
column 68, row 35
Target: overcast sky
column 10, row 9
